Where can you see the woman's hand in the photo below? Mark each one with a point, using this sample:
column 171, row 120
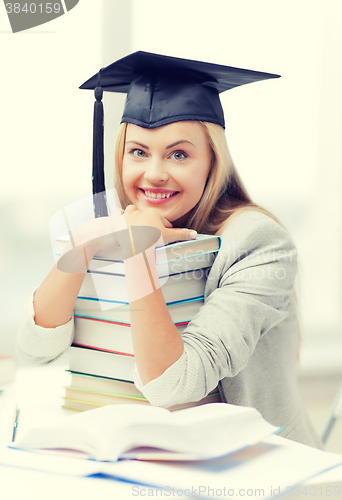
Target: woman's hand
column 87, row 239
column 151, row 217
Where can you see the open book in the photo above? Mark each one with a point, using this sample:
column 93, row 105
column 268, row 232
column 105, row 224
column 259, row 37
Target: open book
column 150, row 433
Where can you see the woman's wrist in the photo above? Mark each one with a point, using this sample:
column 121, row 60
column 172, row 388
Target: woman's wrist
column 141, row 274
column 85, row 242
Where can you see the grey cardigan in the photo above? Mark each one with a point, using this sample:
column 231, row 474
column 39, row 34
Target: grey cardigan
column 244, row 339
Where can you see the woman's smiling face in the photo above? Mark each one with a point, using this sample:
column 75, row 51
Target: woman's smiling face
column 166, row 168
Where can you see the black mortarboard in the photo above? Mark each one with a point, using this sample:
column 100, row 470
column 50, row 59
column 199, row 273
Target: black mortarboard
column 161, row 90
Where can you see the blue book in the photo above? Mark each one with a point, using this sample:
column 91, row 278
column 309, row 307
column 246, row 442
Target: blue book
column 180, row 311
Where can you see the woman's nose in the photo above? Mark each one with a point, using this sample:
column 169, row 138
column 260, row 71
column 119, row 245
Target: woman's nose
column 156, row 172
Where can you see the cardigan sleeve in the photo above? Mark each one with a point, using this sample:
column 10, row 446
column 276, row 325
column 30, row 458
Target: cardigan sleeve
column 37, row 345
column 249, row 291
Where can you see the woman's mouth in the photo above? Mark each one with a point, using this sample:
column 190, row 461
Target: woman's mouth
column 156, row 198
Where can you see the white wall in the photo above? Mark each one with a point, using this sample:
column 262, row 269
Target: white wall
column 322, row 227
column 284, row 134
column 46, row 136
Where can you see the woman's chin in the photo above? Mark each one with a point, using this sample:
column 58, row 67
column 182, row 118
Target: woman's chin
column 169, row 214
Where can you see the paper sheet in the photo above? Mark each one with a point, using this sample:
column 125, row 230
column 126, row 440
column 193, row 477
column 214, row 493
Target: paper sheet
column 264, row 470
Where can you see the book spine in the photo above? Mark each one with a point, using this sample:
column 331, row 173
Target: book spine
column 102, row 363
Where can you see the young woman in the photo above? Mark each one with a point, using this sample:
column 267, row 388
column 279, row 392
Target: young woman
column 174, row 172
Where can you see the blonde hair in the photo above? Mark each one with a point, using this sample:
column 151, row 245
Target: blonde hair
column 224, row 195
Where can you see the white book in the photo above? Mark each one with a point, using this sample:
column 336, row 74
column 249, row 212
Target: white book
column 133, row 431
column 105, row 335
column 101, row 363
column 204, row 243
column 110, row 287
column 180, row 265
column 101, row 384
column 180, row 312
column 84, row 400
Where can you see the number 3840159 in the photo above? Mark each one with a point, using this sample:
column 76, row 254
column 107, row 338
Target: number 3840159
column 32, row 8
column 314, row 491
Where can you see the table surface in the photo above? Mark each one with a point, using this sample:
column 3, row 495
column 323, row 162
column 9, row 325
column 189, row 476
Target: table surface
column 38, row 392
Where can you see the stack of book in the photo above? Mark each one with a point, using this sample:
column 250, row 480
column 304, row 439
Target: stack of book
column 101, row 356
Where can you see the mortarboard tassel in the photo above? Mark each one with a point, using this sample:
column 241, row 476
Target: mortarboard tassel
column 100, row 206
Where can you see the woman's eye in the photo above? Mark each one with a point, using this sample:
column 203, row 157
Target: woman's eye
column 178, row 155
column 138, row 153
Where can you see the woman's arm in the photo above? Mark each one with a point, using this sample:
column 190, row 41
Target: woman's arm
column 249, row 291
column 37, row 345
column 46, row 326
column 157, row 342
column 55, row 299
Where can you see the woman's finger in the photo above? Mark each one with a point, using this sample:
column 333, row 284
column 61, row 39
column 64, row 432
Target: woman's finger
column 180, row 235
column 131, row 208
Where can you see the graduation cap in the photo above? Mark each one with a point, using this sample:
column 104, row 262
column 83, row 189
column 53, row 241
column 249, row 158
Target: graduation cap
column 161, row 90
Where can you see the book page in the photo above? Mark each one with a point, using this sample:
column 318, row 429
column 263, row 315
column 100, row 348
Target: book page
column 95, row 432
column 108, row 432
